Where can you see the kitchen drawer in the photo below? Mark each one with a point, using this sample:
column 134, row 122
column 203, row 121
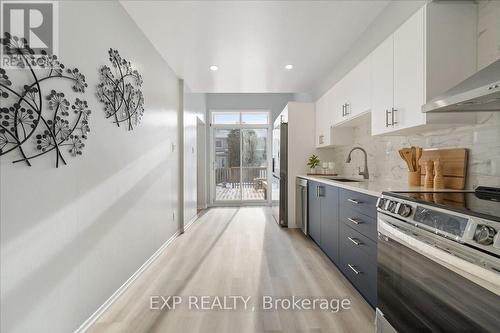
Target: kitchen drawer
column 366, row 225
column 363, row 203
column 365, row 281
column 356, row 246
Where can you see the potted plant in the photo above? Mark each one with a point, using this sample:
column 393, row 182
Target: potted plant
column 313, row 162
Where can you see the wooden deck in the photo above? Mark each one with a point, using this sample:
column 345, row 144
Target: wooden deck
column 232, row 194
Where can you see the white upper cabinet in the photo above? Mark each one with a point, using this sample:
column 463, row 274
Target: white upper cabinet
column 358, row 89
column 339, row 101
column 409, row 86
column 353, row 93
column 343, row 102
column 431, row 52
column 327, row 113
column 435, row 49
column 324, row 120
column 382, row 62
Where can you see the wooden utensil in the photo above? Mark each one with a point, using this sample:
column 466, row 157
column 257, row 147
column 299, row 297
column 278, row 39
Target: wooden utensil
column 414, row 157
column 408, row 158
column 418, row 157
column 401, row 153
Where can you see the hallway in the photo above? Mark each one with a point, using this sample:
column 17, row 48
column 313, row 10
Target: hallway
column 238, row 251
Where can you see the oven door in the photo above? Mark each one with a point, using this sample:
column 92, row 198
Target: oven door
column 423, row 286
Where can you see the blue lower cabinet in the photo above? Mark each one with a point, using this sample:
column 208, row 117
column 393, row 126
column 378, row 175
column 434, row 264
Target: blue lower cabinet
column 330, row 222
column 314, row 211
column 324, row 217
column 343, row 224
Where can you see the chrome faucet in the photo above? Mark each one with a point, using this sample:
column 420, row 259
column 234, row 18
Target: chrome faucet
column 365, row 173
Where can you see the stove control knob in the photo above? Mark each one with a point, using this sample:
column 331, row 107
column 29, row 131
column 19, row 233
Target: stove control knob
column 381, row 203
column 391, row 206
column 484, row 234
column 404, row 210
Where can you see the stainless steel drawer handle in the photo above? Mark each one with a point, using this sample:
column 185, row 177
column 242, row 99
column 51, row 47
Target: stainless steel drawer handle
column 355, row 241
column 354, row 269
column 354, row 201
column 353, row 220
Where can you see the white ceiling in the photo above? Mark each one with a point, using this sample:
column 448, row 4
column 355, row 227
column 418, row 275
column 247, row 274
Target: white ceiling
column 252, row 41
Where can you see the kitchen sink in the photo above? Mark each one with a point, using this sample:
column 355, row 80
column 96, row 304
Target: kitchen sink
column 345, row 180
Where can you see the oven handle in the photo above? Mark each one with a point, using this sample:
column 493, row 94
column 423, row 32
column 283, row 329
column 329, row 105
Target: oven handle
column 480, row 275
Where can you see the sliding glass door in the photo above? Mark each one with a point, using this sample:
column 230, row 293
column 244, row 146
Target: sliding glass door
column 227, row 164
column 254, row 163
column 240, row 157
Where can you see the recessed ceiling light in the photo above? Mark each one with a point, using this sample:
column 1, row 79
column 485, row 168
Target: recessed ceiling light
column 289, row 66
column 214, row 68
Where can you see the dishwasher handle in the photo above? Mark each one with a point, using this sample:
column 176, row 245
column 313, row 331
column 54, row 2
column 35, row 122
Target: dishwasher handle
column 301, row 210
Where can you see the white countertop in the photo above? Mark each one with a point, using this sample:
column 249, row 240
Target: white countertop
column 370, row 187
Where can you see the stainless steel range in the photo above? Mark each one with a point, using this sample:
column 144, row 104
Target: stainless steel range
column 439, row 261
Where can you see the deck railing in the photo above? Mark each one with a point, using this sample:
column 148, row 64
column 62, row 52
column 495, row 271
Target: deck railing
column 249, row 176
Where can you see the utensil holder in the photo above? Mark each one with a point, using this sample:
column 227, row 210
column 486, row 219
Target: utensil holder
column 414, row 178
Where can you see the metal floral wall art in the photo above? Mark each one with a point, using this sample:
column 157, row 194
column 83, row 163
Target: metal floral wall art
column 34, row 119
column 120, row 92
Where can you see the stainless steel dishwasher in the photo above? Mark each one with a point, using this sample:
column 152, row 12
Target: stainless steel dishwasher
column 301, row 204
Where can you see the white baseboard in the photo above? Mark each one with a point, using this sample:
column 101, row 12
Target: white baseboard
column 190, row 222
column 100, row 311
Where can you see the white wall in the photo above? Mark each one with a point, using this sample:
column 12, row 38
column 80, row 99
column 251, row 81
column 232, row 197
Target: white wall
column 71, row 236
column 194, row 109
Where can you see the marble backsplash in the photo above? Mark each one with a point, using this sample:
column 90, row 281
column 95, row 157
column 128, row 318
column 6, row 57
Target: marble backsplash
column 384, row 162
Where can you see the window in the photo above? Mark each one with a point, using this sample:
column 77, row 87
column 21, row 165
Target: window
column 226, row 118
column 254, row 118
column 242, row 117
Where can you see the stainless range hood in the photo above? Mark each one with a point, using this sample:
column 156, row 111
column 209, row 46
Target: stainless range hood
column 480, row 92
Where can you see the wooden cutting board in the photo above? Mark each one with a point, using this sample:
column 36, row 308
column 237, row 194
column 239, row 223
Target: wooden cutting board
column 454, row 162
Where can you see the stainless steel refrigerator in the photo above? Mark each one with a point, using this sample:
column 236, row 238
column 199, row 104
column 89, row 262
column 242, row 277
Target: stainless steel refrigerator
column 279, row 187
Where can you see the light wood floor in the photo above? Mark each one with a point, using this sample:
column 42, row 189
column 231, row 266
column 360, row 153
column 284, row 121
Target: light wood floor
column 238, row 251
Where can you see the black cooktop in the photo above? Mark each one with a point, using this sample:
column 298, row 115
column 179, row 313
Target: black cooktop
column 484, row 202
